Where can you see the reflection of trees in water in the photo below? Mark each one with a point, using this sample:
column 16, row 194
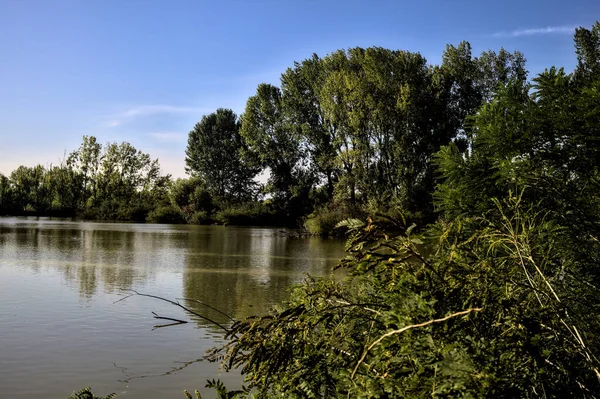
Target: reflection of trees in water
column 116, row 251
column 87, row 257
column 244, row 272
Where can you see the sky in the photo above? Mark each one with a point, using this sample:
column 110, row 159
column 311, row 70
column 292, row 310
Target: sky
column 145, row 71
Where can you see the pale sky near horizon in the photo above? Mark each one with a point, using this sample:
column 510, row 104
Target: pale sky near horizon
column 145, row 71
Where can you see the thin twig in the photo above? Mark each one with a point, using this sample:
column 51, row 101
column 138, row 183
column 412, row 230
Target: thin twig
column 345, row 304
column 156, row 327
column 401, row 330
column 181, row 306
column 169, row 318
column 208, row 306
column 172, row 371
column 122, row 299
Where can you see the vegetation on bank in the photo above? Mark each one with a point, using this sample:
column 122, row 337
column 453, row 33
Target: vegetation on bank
column 499, row 297
column 347, row 135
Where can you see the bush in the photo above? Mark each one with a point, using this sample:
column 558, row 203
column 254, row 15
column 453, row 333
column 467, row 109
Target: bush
column 133, row 212
column 323, row 220
column 200, row 217
column 500, row 307
column 166, row 214
column 247, row 214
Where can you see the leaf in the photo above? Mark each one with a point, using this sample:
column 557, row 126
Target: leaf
column 350, row 224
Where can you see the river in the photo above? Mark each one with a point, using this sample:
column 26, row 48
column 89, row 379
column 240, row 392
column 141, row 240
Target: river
column 63, row 325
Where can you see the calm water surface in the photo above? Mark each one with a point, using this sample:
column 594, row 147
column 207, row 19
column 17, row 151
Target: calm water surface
column 61, row 330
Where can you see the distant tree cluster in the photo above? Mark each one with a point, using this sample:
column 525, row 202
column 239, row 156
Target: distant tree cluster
column 114, row 182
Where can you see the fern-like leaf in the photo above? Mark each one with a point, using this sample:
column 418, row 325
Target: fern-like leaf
column 86, row 393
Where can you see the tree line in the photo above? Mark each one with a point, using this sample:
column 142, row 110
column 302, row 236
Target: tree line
column 346, row 135
column 349, row 134
column 111, row 182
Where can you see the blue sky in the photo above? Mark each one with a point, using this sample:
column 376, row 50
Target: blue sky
column 145, row 71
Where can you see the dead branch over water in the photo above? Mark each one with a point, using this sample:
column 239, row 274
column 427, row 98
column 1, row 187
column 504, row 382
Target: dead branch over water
column 176, row 321
column 178, row 304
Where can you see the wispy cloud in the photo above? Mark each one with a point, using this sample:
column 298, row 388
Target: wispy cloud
column 146, row 110
column 549, row 30
column 171, row 137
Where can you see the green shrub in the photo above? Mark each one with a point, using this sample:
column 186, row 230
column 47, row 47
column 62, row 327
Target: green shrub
column 501, row 306
column 133, row 212
column 323, row 220
column 165, row 214
column 200, row 217
column 247, row 214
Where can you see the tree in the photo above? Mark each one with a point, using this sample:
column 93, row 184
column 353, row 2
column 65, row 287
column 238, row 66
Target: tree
column 278, row 146
column 587, row 48
column 29, row 188
column 543, row 136
column 215, row 154
column 128, row 183
column 65, row 189
column 114, row 182
column 301, row 95
column 381, row 102
column 6, row 196
column 85, row 162
column 371, row 119
column 498, row 69
column 192, row 198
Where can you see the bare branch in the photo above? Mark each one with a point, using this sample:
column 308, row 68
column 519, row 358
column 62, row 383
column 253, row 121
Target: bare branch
column 227, row 330
column 208, row 306
column 173, row 370
column 401, row 330
column 156, row 327
column 169, row 318
column 122, row 299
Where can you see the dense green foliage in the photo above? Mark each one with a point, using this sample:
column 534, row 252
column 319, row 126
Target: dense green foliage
column 356, row 131
column 500, row 297
column 114, row 182
column 215, row 155
column 349, row 134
